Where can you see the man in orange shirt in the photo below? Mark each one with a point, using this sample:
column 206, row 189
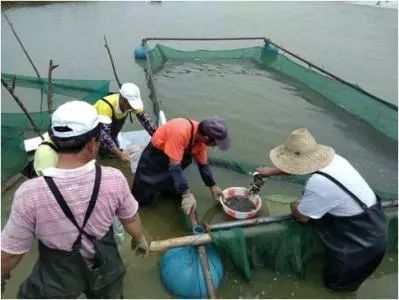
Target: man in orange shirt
column 171, row 150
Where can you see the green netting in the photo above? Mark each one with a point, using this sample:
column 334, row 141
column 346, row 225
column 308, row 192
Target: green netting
column 381, row 115
column 285, row 247
column 15, row 126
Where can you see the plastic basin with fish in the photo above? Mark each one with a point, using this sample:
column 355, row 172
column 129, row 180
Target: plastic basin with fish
column 240, row 192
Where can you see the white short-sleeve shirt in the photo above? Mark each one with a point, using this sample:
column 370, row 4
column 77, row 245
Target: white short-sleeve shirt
column 322, row 196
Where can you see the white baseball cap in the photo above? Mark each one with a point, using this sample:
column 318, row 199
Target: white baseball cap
column 75, row 118
column 131, row 93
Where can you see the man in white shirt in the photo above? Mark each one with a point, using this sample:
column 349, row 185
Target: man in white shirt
column 345, row 211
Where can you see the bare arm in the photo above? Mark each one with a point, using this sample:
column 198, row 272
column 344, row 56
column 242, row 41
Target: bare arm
column 133, row 227
column 270, row 171
column 296, row 214
column 9, row 261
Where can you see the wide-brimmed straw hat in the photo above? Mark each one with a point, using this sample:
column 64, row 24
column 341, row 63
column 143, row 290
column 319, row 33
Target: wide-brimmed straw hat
column 300, row 154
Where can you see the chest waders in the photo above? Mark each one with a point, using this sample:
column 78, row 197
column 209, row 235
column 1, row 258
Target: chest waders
column 152, row 174
column 65, row 274
column 355, row 244
column 116, row 125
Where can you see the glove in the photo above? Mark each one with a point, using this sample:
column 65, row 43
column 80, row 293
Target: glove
column 188, row 203
column 217, row 192
column 140, row 247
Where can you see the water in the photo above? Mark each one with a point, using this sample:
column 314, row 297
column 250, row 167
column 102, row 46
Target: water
column 356, row 42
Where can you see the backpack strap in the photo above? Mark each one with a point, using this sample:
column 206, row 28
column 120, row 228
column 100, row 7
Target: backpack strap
column 190, row 145
column 110, row 105
column 65, row 208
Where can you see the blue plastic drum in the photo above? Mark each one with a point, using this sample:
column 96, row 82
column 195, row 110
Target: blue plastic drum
column 181, row 271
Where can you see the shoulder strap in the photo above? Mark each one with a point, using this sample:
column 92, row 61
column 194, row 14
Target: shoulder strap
column 354, row 197
column 64, row 206
column 52, row 146
column 190, row 145
column 110, row 105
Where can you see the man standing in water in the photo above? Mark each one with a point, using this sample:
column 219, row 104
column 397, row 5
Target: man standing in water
column 170, row 151
column 70, row 210
column 345, row 212
column 117, row 107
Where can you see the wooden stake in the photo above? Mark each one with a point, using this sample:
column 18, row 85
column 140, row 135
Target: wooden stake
column 21, row 105
column 204, row 261
column 22, row 46
column 50, row 87
column 112, row 62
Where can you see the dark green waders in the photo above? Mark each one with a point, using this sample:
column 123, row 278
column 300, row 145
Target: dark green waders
column 355, row 244
column 65, row 274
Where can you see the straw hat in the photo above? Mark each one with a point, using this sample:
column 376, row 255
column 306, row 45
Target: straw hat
column 300, row 154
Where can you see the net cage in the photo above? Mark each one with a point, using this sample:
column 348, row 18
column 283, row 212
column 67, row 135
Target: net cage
column 32, row 92
column 285, row 246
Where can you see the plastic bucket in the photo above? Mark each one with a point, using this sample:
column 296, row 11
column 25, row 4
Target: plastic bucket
column 241, row 191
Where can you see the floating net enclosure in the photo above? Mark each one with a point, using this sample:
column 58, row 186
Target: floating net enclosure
column 264, row 92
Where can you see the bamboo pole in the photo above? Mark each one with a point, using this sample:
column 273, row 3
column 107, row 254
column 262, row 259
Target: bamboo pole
column 21, row 105
column 248, row 222
column 112, row 61
column 191, row 240
column 204, row 260
column 22, row 46
column 50, row 87
column 205, row 238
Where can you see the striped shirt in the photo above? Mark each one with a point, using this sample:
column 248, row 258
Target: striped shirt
column 35, row 212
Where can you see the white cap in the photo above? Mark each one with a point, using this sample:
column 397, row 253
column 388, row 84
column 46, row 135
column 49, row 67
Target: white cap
column 131, row 93
column 75, row 118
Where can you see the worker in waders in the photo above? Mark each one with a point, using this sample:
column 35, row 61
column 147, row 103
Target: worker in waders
column 346, row 214
column 70, row 210
column 170, row 151
column 118, row 107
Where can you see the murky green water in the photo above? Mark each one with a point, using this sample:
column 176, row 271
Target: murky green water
column 358, row 43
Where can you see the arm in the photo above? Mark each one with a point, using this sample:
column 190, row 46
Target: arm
column 296, row 214
column 188, row 203
column 267, row 171
column 207, row 178
column 146, row 122
column 9, row 261
column 206, row 175
column 18, row 234
column 108, row 143
column 133, row 227
column 179, row 179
